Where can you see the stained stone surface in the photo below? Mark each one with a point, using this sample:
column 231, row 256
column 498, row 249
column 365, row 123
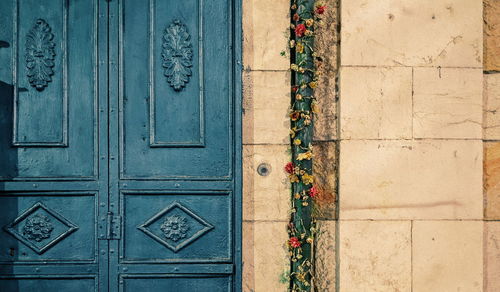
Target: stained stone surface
column 491, row 12
column 492, row 180
column 492, row 257
column 491, row 108
column 325, row 173
column 325, row 257
column 326, row 47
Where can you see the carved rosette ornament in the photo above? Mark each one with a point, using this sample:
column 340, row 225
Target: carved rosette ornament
column 38, row 227
column 177, row 55
column 40, row 52
column 175, row 227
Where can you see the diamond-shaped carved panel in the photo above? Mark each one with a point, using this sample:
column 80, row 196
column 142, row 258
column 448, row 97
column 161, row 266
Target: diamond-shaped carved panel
column 40, row 228
column 175, row 227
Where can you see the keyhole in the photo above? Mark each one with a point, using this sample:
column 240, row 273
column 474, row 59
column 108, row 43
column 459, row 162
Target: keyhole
column 11, row 252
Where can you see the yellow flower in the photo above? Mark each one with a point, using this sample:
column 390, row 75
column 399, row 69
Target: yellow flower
column 296, row 196
column 300, row 48
column 305, row 204
column 309, row 240
column 294, row 178
column 308, row 33
column 309, row 22
column 313, row 84
column 301, row 277
column 294, row 67
column 307, row 179
column 298, row 96
column 314, row 108
column 305, row 156
column 297, row 142
column 292, row 43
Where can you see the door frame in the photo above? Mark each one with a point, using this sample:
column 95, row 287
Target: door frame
column 238, row 141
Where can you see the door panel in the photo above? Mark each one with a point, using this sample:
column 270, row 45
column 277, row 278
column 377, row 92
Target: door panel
column 48, row 89
column 176, row 227
column 175, row 83
column 54, row 227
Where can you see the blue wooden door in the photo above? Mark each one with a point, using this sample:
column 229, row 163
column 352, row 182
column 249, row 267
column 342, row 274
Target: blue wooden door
column 119, row 145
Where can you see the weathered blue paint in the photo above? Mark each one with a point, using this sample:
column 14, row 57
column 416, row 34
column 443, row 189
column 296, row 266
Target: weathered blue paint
column 120, row 145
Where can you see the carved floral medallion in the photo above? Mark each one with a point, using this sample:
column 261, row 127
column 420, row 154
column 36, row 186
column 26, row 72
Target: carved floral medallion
column 175, row 227
column 177, row 55
column 40, row 52
column 38, row 227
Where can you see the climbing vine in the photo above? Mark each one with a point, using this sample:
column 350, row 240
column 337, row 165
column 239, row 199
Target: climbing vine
column 302, row 227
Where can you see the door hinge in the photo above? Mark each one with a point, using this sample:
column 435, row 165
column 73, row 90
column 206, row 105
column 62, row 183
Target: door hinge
column 110, row 227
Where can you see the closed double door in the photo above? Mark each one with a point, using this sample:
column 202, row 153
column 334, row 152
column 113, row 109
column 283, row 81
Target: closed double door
column 119, row 146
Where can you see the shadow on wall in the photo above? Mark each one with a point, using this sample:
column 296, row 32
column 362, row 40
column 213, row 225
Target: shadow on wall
column 8, row 170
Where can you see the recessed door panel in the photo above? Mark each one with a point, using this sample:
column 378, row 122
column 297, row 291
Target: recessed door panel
column 48, row 227
column 176, row 89
column 177, row 227
column 48, row 83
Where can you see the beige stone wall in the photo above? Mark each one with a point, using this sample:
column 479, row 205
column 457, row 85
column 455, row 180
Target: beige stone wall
column 411, row 172
column 266, row 98
column 412, row 145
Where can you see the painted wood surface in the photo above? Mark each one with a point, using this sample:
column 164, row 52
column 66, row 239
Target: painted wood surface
column 120, row 160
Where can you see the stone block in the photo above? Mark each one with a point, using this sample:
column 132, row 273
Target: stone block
column 447, row 256
column 375, row 256
column 426, row 179
column 448, row 103
column 376, row 103
column 412, row 33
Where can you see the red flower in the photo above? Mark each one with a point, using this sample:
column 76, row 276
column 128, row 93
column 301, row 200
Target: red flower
column 320, row 9
column 294, row 116
column 294, row 242
column 313, row 192
column 296, row 17
column 289, row 167
column 300, row 29
column 295, row 88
